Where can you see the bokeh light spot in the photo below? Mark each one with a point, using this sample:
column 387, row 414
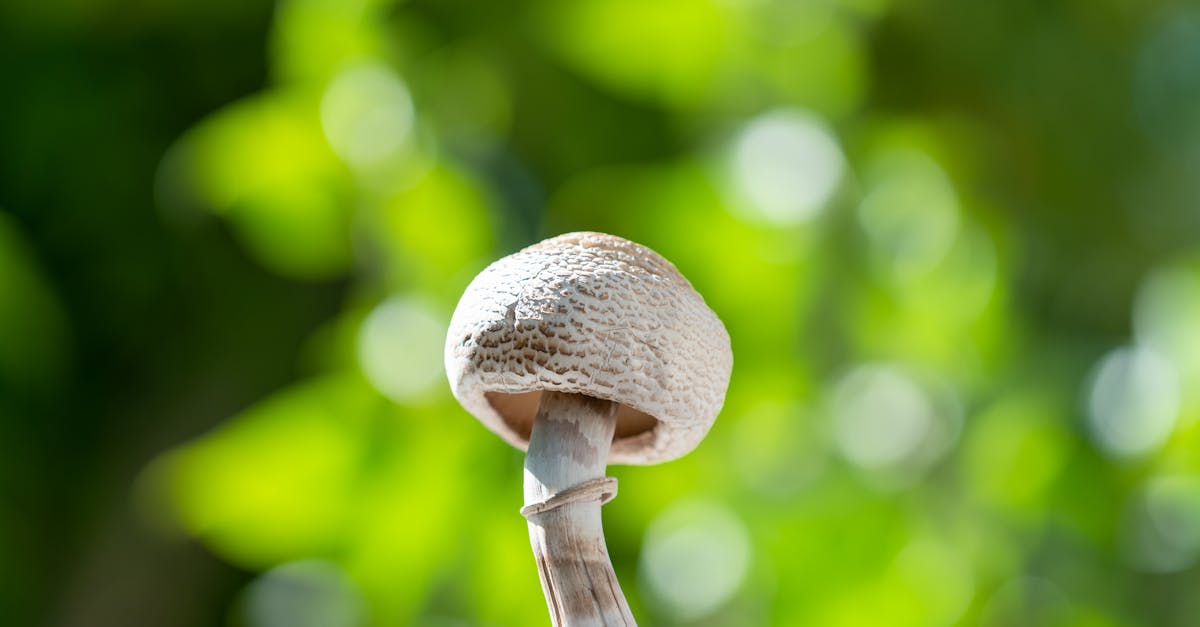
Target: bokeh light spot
column 910, row 212
column 367, row 114
column 891, row 424
column 880, row 416
column 695, row 557
column 785, row 166
column 400, row 348
column 311, row 593
column 1132, row 402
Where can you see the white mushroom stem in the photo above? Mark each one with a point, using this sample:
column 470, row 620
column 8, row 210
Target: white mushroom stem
column 567, row 448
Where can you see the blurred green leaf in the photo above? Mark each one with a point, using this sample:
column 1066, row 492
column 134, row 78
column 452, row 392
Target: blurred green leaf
column 264, row 164
column 275, row 483
column 665, row 51
column 33, row 328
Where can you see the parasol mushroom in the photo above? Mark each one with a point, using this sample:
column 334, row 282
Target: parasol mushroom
column 586, row 349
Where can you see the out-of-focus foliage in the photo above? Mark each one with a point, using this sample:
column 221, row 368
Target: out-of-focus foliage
column 956, row 246
column 33, row 347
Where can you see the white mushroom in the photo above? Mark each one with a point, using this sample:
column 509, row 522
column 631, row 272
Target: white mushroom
column 586, row 349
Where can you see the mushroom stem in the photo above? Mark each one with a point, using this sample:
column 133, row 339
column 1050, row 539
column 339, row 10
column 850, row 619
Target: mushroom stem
column 568, row 447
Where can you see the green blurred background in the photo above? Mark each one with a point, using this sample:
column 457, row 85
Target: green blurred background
column 956, row 244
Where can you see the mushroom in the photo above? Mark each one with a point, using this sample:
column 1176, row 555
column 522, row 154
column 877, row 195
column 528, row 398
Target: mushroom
column 586, row 349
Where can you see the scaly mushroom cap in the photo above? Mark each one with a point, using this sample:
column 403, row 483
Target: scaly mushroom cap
column 594, row 314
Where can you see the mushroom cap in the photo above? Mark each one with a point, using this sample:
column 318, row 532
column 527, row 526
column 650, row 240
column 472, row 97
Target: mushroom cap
column 592, row 314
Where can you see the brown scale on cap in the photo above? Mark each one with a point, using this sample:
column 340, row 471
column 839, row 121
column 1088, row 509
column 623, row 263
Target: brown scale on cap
column 597, row 315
